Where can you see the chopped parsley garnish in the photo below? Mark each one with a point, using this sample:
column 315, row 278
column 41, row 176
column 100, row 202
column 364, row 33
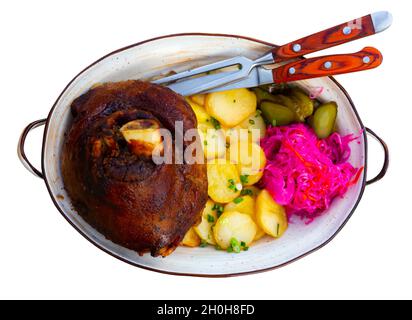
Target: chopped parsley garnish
column 210, row 218
column 251, row 121
column 234, row 246
column 246, row 192
column 232, row 185
column 277, row 230
column 274, row 122
column 218, row 208
column 238, row 200
column 215, row 123
column 258, row 112
column 244, row 246
column 244, row 178
column 205, row 142
column 203, row 243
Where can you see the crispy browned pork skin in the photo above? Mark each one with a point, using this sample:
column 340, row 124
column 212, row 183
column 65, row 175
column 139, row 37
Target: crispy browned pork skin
column 127, row 197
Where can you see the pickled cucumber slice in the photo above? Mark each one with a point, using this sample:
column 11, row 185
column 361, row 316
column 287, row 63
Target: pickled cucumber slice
column 262, row 95
column 324, row 118
column 276, row 114
column 304, row 104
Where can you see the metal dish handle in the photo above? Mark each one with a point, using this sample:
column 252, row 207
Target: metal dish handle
column 20, row 147
column 385, row 166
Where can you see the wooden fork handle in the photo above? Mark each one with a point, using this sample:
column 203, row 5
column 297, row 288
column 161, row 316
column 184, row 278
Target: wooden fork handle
column 345, row 32
column 367, row 58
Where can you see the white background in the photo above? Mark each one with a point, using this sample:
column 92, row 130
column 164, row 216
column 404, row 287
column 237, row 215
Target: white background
column 44, row 44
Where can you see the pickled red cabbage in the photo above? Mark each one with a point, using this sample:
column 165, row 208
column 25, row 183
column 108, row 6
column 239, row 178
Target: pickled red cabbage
column 304, row 173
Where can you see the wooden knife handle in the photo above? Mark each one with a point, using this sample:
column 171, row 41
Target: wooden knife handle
column 367, row 58
column 334, row 36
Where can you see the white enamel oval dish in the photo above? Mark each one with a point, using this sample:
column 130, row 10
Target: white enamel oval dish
column 179, row 52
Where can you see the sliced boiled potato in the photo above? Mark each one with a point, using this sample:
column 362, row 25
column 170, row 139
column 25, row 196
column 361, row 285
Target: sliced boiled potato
column 234, row 225
column 213, row 141
column 201, row 115
column 259, row 234
column 247, row 206
column 251, row 190
column 243, row 204
column 270, row 216
column 251, row 166
column 231, row 132
column 223, row 181
column 254, row 125
column 204, row 228
column 250, row 160
column 199, row 99
column 191, row 239
column 231, row 107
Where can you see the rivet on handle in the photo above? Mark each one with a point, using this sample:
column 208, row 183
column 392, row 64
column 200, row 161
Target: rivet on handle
column 296, row 47
column 327, row 65
column 347, row 30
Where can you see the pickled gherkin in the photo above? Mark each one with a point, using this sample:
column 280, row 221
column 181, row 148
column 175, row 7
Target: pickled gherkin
column 294, row 99
column 304, row 104
column 263, row 95
column 291, row 104
column 324, row 118
column 275, row 113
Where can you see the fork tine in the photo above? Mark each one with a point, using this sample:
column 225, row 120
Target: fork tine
column 202, row 69
column 198, row 85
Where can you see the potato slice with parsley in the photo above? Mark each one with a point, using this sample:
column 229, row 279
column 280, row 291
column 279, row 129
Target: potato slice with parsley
column 243, row 204
column 250, row 161
column 201, row 115
column 223, row 181
column 246, row 204
column 191, row 239
column 251, row 191
column 231, row 107
column 259, row 234
column 209, row 218
column 234, row 228
column 199, row 99
column 270, row 216
column 212, row 140
column 254, row 125
column 251, row 166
